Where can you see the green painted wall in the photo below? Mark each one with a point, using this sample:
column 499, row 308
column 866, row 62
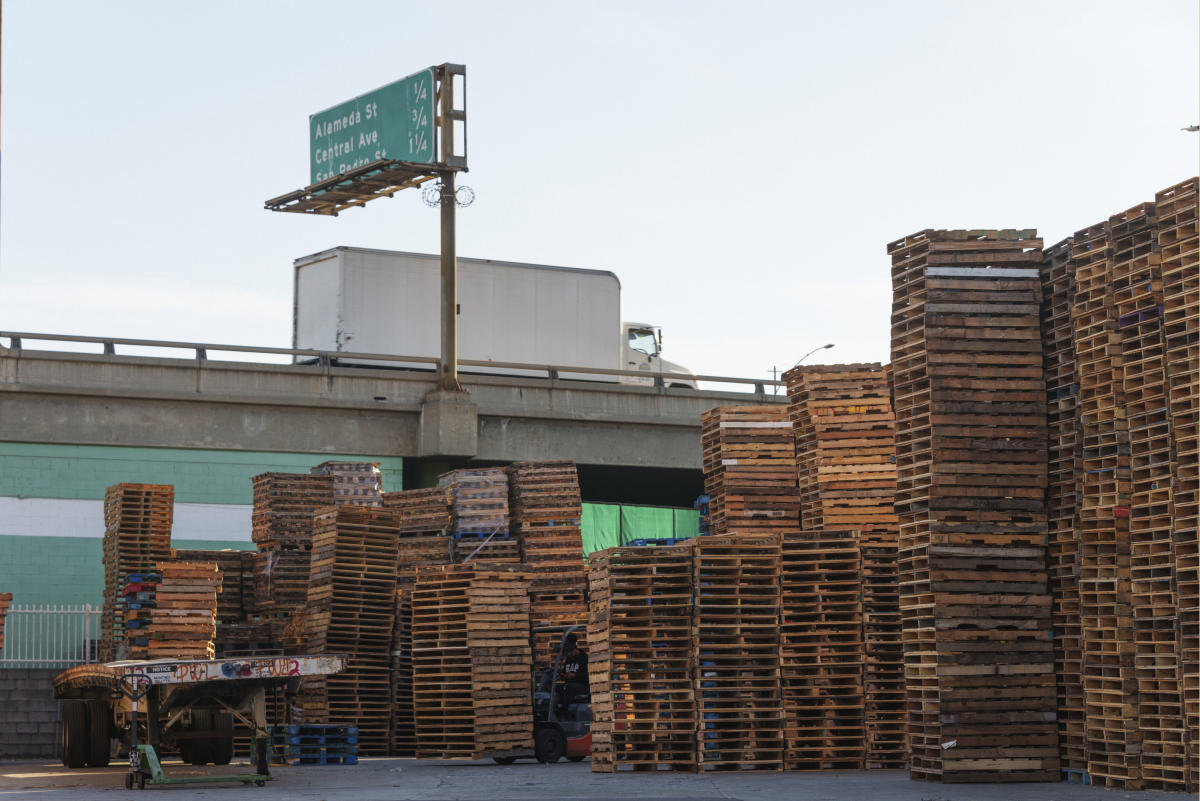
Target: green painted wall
column 66, row 570
column 84, row 471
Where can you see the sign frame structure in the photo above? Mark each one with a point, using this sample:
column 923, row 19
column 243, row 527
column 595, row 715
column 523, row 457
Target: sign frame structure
column 446, row 126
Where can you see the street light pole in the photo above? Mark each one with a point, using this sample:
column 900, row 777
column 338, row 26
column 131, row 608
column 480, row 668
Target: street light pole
column 811, row 352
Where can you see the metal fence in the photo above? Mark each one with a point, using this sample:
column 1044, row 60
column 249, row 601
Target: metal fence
column 50, row 636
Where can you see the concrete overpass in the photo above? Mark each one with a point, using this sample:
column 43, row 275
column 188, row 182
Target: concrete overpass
column 114, row 398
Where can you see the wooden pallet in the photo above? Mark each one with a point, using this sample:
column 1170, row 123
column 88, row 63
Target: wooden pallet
column 283, row 508
column 471, row 662
column 184, row 619
column 641, row 660
column 426, row 510
column 137, row 535
column 971, row 469
column 354, row 483
column 749, row 461
column 403, row 735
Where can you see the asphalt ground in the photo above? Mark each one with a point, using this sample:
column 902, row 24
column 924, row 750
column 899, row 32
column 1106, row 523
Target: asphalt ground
column 428, row 780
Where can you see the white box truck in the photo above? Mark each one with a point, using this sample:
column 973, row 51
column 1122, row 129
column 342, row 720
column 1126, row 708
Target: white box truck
column 359, row 300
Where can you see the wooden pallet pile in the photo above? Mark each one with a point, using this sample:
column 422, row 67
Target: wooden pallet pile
column 5, row 602
column 354, row 483
column 184, row 619
column 137, row 535
column 641, row 659
column 471, row 662
column 735, row 633
column 749, row 460
column 479, row 520
column 1113, row 741
column 1064, row 461
column 547, row 508
column 846, row 465
column 236, row 569
column 821, row 651
column 971, row 470
column 422, row 509
column 351, row 610
column 1177, row 210
column 1138, row 291
column 403, row 735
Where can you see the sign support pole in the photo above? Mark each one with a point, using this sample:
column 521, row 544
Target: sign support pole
column 449, row 366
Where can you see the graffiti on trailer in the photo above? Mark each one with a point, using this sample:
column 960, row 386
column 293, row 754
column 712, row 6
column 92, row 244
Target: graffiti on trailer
column 186, row 672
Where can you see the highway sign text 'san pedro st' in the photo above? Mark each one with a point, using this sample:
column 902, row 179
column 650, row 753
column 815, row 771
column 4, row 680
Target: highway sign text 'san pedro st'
column 393, row 122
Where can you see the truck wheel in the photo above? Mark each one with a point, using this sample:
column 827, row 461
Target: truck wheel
column 75, row 733
column 99, row 742
column 549, row 745
column 198, row 747
column 221, row 746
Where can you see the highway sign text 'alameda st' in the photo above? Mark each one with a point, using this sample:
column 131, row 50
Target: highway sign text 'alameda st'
column 393, row 122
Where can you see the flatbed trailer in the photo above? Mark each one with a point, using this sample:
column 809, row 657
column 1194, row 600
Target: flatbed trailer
column 189, row 705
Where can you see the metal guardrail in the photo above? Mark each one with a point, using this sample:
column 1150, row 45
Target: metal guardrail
column 326, row 358
column 50, row 636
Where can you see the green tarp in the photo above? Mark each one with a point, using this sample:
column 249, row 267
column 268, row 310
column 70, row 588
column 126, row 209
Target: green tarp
column 606, row 525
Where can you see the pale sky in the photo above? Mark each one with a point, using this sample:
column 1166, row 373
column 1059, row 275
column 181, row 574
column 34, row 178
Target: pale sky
column 740, row 166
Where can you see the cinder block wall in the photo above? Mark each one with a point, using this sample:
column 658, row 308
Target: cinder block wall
column 28, row 714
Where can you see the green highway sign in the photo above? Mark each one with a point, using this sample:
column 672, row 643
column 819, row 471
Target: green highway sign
column 393, row 122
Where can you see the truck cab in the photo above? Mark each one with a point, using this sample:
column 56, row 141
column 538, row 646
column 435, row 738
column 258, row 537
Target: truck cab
column 641, row 348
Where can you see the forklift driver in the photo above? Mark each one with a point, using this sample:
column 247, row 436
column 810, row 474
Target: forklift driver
column 574, row 672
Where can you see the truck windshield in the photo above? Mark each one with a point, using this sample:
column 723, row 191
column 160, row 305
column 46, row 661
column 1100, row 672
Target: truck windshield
column 643, row 341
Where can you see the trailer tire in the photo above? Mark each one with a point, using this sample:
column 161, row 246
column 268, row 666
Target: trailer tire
column 221, row 746
column 75, row 733
column 198, row 747
column 99, row 741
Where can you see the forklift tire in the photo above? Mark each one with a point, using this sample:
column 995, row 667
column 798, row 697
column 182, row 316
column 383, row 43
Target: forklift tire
column 221, row 746
column 549, row 745
column 99, row 741
column 199, row 752
column 75, row 733
column 141, row 781
column 504, row 760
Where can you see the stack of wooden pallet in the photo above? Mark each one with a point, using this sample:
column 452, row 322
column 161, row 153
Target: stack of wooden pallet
column 184, row 619
column 471, row 662
column 846, row 462
column 749, row 459
column 1106, row 613
column 137, row 535
column 546, row 511
column 821, row 650
column 351, row 610
column 282, row 527
column 236, row 574
column 479, row 522
column 5, row 602
column 1137, row 288
column 403, row 736
column 735, row 631
column 1062, row 498
column 422, row 509
column 354, row 483
column 1177, row 211
column 136, row 605
column 641, row 659
column 971, row 469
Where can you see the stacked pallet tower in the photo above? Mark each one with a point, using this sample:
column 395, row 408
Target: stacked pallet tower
column 971, row 469
column 546, row 512
column 137, row 535
column 471, row 662
column 479, row 523
column 846, row 463
column 402, row 734
column 184, row 619
column 1064, row 460
column 354, row 483
column 350, row 610
column 282, row 528
column 749, row 460
column 735, row 633
column 1137, row 287
column 821, row 638
column 424, row 523
column 1177, row 209
column 641, row 659
column 1113, row 741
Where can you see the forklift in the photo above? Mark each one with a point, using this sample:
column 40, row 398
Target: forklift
column 559, row 730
